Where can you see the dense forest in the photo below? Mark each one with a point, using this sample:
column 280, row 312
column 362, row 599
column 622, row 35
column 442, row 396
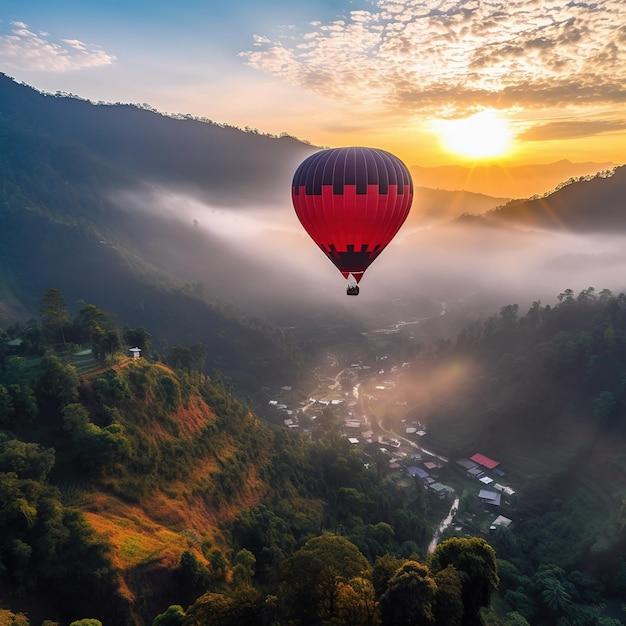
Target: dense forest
column 84, row 425
column 142, row 491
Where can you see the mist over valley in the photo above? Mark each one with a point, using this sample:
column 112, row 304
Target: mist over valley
column 271, row 423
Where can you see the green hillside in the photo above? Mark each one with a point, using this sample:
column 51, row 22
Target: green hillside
column 177, row 500
column 160, row 483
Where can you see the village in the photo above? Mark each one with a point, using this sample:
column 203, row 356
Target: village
column 477, row 494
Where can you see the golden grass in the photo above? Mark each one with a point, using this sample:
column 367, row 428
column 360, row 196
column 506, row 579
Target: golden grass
column 193, row 417
column 181, row 516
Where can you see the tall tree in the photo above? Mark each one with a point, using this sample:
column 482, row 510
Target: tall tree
column 54, row 313
column 475, row 562
column 357, row 604
column 58, row 382
column 409, row 597
column 315, row 573
column 448, row 603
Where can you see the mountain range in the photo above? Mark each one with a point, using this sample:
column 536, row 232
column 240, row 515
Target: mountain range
column 155, row 217
column 518, row 181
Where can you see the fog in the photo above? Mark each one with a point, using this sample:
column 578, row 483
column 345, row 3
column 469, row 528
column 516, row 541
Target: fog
column 262, row 261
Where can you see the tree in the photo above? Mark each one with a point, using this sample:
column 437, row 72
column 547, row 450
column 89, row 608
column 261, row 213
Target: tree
column 475, row 563
column 6, row 407
column 313, row 575
column 448, row 602
column 54, row 313
column 24, row 401
column 357, row 604
column 58, row 382
column 173, row 616
column 515, row 619
column 33, row 338
column 409, row 597
column 95, row 446
column 8, row 618
column 27, row 460
column 99, row 328
column 555, row 596
column 138, row 337
column 193, row 576
column 243, row 569
column 219, row 565
column 604, row 407
column 242, row 607
column 384, row 568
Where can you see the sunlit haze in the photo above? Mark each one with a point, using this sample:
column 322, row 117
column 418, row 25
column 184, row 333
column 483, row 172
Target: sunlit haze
column 483, row 134
column 389, row 74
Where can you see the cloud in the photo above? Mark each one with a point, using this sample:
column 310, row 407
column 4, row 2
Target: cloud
column 570, row 129
column 449, row 56
column 25, row 50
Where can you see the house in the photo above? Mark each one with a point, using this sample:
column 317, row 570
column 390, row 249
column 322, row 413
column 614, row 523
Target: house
column 500, row 521
column 440, row 489
column 504, row 489
column 466, row 464
column 417, row 471
column 476, row 473
column 485, row 461
column 431, row 465
column 490, row 497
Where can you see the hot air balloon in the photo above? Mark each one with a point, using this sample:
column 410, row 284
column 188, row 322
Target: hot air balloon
column 352, row 202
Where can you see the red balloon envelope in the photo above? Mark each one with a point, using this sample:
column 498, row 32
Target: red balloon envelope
column 352, row 202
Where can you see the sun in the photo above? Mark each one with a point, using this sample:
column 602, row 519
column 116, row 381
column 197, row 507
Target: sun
column 479, row 136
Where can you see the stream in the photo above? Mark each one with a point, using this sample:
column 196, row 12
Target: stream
column 443, row 525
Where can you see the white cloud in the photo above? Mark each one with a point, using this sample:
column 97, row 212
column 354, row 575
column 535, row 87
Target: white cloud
column 408, row 56
column 25, row 50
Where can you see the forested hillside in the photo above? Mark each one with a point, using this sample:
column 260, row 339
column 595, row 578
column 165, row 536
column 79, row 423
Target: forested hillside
column 128, row 486
column 544, row 394
column 584, row 204
column 222, row 164
column 141, row 491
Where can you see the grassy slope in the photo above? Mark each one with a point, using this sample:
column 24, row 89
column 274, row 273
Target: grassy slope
column 147, row 534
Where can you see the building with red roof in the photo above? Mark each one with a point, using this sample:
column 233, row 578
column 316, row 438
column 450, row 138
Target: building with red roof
column 485, row 461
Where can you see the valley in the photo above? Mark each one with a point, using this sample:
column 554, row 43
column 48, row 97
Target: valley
column 474, row 392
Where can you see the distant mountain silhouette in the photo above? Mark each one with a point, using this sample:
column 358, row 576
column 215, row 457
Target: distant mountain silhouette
column 594, row 204
column 149, row 216
column 431, row 206
column 221, row 164
column 519, row 181
column 110, row 168
column 61, row 162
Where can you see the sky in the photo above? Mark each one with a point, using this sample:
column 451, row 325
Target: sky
column 437, row 82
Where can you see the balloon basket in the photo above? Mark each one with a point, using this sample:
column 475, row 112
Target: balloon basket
column 353, row 287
